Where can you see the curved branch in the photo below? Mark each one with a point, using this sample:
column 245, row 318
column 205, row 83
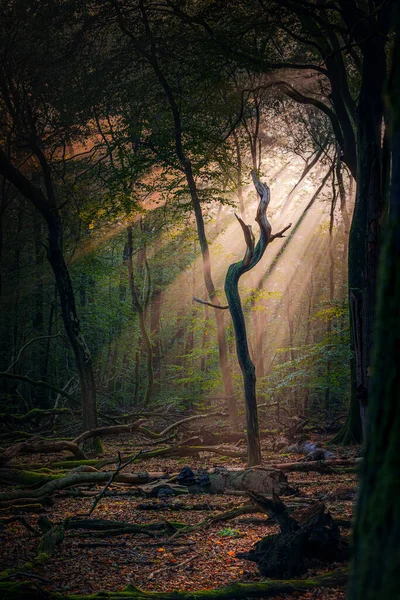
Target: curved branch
column 210, row 304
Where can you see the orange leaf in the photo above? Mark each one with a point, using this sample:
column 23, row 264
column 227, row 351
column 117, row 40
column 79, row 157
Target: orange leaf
column 231, row 553
column 160, row 550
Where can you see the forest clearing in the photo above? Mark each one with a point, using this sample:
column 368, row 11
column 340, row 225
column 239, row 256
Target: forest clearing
column 199, row 299
column 197, row 535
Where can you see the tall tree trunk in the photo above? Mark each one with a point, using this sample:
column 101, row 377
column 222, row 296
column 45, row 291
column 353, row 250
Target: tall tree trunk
column 186, row 165
column 377, row 530
column 155, row 324
column 252, row 257
column 139, row 308
column 363, row 241
column 48, row 209
column 209, row 283
column 71, row 322
column 331, row 291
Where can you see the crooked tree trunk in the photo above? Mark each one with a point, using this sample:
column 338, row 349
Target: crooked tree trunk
column 377, row 530
column 252, row 257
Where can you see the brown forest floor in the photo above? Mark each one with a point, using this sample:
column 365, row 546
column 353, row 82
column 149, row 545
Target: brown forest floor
column 197, row 560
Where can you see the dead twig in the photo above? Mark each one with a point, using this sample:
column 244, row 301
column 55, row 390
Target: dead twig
column 113, row 476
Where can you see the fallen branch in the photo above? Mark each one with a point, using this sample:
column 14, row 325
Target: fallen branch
column 27, row 576
column 186, row 420
column 239, row 591
column 108, row 430
column 319, row 466
column 210, row 304
column 41, row 447
column 113, row 476
column 23, row 521
column 55, row 483
column 178, row 451
column 99, row 528
column 246, row 509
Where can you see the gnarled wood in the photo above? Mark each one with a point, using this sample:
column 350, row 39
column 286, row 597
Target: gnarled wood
column 252, row 256
column 306, row 533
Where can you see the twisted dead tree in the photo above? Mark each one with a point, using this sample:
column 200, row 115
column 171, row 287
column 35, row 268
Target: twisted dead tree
column 253, row 255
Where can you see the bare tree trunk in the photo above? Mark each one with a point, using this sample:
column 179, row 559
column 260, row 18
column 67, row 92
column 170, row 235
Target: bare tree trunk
column 139, row 308
column 252, row 257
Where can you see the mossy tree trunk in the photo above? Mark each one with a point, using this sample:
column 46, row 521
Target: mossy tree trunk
column 252, row 257
column 377, row 530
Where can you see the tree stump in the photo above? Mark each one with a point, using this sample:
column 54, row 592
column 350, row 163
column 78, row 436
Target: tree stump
column 306, row 534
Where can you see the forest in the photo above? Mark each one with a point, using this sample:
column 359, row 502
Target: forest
column 199, row 299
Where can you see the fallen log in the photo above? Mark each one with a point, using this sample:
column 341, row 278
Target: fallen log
column 239, row 591
column 173, row 451
column 220, row 480
column 178, row 506
column 104, row 528
column 318, row 466
column 55, row 483
column 44, row 501
column 41, row 447
column 216, row 481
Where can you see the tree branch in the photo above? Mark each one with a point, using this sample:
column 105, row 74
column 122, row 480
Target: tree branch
column 280, row 233
column 210, row 304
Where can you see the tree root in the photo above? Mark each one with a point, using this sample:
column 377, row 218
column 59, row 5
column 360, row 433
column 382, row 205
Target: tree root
column 239, row 591
column 308, row 533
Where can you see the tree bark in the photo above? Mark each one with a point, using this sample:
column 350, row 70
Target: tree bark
column 49, row 212
column 139, row 307
column 377, row 529
column 252, row 257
